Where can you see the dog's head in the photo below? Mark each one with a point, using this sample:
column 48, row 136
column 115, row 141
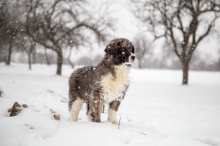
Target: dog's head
column 121, row 51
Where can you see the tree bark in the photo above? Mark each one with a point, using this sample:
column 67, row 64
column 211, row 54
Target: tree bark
column 68, row 59
column 59, row 61
column 70, row 63
column 29, row 61
column 219, row 65
column 219, row 61
column 46, row 56
column 185, row 69
column 8, row 59
column 139, row 63
column 34, row 56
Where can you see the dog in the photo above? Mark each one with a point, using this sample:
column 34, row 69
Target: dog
column 105, row 83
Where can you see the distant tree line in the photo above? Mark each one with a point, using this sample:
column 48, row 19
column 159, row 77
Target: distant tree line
column 147, row 57
column 52, row 25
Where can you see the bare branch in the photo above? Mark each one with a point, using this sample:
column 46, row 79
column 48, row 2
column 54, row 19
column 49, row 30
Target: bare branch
column 210, row 26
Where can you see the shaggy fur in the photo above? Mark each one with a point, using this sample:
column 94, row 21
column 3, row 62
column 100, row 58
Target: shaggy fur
column 105, row 83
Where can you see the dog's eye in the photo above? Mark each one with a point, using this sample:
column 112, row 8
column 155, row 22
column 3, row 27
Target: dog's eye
column 132, row 50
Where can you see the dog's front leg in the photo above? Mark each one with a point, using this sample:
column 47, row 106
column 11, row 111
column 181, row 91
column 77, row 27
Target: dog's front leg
column 75, row 104
column 95, row 107
column 113, row 108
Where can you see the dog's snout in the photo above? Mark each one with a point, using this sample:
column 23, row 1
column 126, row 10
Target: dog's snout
column 132, row 57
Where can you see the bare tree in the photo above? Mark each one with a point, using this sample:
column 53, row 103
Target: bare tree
column 46, row 56
column 142, row 47
column 8, row 27
column 183, row 23
column 69, row 58
column 218, row 64
column 28, row 45
column 61, row 23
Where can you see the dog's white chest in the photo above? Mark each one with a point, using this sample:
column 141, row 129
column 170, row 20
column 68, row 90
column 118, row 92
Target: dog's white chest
column 113, row 88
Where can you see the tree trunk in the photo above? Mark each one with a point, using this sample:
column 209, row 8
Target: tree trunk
column 68, row 59
column 59, row 61
column 29, row 61
column 139, row 63
column 219, row 65
column 70, row 63
column 185, row 69
column 34, row 56
column 8, row 59
column 47, row 58
column 219, row 61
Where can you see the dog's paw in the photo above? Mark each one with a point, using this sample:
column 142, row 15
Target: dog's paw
column 96, row 120
column 73, row 119
column 115, row 122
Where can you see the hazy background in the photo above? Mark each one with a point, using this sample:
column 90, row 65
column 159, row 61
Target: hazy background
column 123, row 23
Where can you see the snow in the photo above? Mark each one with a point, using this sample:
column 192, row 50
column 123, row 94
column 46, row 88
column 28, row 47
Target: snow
column 157, row 110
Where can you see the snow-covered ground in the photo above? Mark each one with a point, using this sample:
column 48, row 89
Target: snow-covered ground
column 157, row 110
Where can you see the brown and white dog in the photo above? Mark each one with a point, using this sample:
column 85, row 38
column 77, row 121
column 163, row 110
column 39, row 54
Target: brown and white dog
column 105, row 83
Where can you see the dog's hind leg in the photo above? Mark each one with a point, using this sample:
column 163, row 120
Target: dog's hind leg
column 113, row 108
column 75, row 108
column 94, row 109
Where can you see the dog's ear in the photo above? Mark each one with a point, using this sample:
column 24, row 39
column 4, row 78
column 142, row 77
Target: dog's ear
column 113, row 47
column 108, row 49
